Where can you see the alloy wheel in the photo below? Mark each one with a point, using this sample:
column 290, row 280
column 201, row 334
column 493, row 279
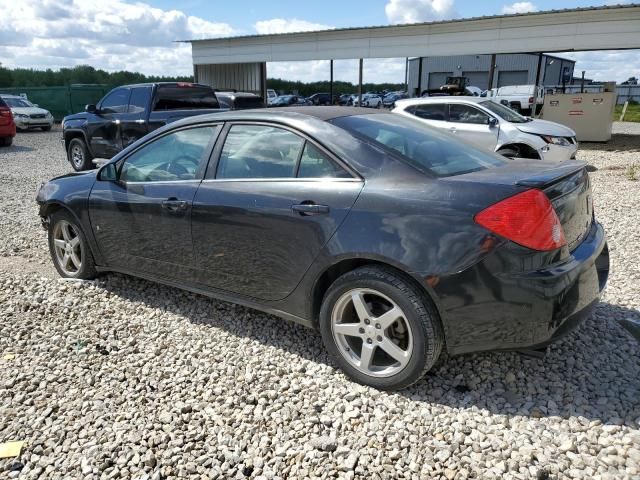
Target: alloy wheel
column 68, row 247
column 372, row 332
column 77, row 156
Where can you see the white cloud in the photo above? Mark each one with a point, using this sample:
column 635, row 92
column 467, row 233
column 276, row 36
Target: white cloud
column 112, row 35
column 616, row 65
column 282, row 25
column 519, row 7
column 413, row 11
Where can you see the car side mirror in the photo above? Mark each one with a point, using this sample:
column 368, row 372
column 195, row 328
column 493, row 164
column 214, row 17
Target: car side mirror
column 36, row 105
column 108, row 173
column 493, row 122
column 91, row 108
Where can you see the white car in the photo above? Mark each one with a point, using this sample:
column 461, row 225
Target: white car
column 492, row 126
column 368, row 100
column 27, row 115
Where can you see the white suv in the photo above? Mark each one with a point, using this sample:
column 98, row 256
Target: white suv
column 493, row 127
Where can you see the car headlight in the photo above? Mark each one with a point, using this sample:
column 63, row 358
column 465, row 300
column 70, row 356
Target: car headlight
column 21, row 116
column 563, row 142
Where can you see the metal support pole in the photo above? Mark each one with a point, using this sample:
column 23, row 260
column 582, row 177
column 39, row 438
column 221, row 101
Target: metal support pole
column 331, row 82
column 406, row 74
column 535, row 89
column 582, row 82
column 419, row 77
column 263, row 86
column 360, row 83
column 492, row 71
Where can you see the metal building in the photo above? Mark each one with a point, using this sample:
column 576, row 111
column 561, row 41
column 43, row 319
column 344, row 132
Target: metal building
column 509, row 69
column 241, row 62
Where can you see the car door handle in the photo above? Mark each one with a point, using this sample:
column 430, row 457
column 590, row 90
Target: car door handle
column 174, row 205
column 310, row 209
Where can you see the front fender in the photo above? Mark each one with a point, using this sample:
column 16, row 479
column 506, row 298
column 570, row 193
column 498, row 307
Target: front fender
column 70, row 192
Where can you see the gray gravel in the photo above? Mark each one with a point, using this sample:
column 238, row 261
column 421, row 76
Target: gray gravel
column 123, row 378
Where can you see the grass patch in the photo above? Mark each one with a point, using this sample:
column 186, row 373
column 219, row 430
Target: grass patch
column 632, row 172
column 632, row 115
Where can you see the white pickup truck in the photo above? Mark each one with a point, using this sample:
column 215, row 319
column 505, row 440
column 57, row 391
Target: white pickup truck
column 519, row 97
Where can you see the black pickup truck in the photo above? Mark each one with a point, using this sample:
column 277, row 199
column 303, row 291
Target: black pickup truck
column 128, row 113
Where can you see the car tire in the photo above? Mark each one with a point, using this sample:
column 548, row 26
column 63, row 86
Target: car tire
column 78, row 155
column 6, row 141
column 46, row 129
column 411, row 333
column 509, row 152
column 69, row 249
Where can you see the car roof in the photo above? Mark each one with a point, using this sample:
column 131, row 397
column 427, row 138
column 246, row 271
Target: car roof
column 442, row 99
column 281, row 114
column 4, row 95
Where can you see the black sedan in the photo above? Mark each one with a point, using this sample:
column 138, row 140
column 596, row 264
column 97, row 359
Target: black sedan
column 394, row 240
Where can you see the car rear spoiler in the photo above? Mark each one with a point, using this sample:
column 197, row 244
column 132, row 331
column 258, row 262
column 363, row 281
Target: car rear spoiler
column 553, row 175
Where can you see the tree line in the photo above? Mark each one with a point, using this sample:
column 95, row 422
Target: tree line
column 29, row 77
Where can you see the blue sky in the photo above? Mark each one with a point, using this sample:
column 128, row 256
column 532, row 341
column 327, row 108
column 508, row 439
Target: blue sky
column 139, row 35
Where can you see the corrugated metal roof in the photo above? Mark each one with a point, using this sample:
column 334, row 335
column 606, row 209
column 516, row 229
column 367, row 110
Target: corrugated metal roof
column 438, row 22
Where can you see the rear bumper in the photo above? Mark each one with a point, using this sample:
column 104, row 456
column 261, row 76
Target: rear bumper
column 525, row 309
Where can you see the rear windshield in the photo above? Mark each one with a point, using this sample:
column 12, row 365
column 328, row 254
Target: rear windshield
column 418, row 144
column 185, row 97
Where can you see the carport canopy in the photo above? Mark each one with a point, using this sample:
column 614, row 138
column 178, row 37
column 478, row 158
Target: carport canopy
column 240, row 62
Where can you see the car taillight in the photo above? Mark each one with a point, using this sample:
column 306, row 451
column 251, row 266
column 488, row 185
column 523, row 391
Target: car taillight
column 5, row 112
column 527, row 219
column 530, row 99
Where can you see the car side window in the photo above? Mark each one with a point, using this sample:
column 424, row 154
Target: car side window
column 176, row 156
column 139, row 100
column 434, row 111
column 116, row 102
column 315, row 164
column 259, row 151
column 461, row 113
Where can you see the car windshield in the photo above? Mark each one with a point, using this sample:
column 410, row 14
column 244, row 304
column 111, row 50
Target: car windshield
column 504, row 112
column 18, row 102
column 282, row 100
column 419, row 145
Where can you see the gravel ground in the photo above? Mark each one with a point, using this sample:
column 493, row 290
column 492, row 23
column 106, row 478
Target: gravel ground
column 123, row 378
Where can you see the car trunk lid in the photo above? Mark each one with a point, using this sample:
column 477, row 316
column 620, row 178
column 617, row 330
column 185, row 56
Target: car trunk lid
column 566, row 185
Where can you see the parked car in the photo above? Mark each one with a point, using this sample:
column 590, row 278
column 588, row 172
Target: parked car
column 369, row 100
column 271, row 95
column 493, row 127
column 346, row 99
column 411, row 243
column 128, row 113
column 7, row 125
column 28, row 115
column 389, row 99
column 239, row 100
column 320, row 99
column 289, row 101
column 517, row 97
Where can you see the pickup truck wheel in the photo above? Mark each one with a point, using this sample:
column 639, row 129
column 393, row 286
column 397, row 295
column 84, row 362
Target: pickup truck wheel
column 78, row 155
